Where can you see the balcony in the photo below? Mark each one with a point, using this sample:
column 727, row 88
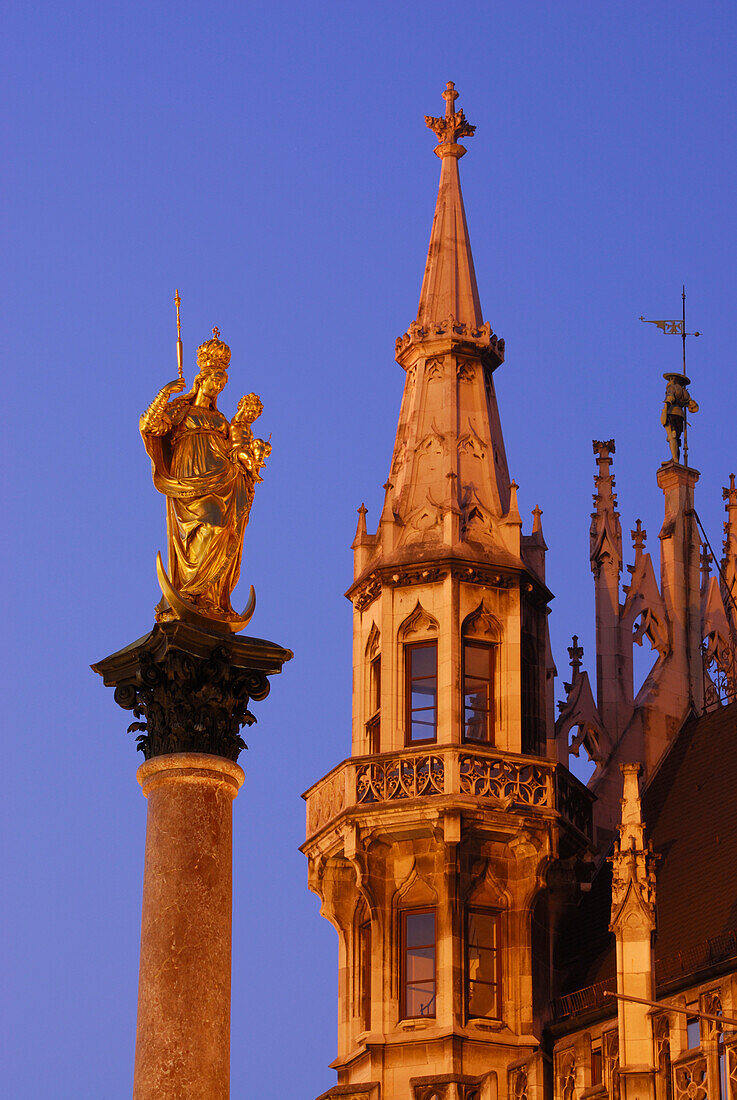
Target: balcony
column 504, row 780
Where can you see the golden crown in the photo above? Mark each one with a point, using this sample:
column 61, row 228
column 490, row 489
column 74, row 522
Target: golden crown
column 214, row 354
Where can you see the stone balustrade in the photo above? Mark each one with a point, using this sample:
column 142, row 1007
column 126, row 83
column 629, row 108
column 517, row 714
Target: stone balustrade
column 507, row 780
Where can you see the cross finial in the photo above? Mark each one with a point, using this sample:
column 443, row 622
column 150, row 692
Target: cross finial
column 575, row 652
column 450, row 128
column 216, row 333
column 639, row 537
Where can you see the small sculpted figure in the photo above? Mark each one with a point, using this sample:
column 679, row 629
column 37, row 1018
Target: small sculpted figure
column 677, row 401
column 208, row 469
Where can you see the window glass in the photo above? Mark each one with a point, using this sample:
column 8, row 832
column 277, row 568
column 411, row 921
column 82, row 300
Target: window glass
column 364, row 947
column 422, row 691
column 418, row 964
column 373, row 725
column 478, row 692
column 693, row 1035
column 375, row 692
column 482, row 963
column 596, row 1065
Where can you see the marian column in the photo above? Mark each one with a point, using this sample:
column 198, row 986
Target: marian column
column 189, row 683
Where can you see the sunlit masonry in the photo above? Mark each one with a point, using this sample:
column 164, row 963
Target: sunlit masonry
column 504, row 930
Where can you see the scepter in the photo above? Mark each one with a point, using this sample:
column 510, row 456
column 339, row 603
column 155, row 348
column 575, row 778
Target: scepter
column 180, row 351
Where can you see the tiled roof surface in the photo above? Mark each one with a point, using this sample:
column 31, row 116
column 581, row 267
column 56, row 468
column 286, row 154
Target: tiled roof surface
column 690, row 809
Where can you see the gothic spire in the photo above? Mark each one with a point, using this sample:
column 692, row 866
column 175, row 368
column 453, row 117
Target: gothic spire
column 449, row 285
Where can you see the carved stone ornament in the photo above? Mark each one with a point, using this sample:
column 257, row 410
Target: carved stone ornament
column 189, row 689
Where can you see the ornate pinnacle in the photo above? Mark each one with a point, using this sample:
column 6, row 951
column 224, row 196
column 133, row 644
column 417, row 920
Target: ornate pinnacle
column 575, row 652
column 450, row 128
column 705, row 558
column 639, row 535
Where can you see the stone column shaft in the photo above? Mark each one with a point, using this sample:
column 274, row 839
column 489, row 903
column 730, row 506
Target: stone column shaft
column 183, row 1030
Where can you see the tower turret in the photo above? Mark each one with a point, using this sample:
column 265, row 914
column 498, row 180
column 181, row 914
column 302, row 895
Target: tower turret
column 429, row 846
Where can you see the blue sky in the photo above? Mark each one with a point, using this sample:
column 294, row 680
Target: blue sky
column 273, row 163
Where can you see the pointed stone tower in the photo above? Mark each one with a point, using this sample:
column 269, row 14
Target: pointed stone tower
column 633, row 924
column 441, row 849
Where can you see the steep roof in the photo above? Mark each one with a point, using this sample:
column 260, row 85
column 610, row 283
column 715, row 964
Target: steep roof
column 690, row 808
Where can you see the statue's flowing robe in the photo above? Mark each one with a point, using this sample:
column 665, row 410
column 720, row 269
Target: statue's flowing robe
column 209, row 495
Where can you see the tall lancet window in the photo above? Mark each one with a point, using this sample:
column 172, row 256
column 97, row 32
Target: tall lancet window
column 373, row 726
column 418, row 964
column 478, row 692
column 483, row 964
column 421, row 661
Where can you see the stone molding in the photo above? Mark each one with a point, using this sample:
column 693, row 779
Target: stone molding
column 368, row 589
column 504, row 780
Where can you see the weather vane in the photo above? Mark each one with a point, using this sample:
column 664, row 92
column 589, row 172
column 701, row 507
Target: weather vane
column 677, row 398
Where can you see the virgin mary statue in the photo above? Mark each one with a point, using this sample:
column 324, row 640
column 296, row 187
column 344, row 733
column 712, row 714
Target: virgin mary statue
column 207, row 467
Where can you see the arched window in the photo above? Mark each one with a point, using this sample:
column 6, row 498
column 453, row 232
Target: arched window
column 480, row 637
column 478, row 691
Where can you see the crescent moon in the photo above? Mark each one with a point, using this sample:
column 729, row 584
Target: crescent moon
column 192, row 614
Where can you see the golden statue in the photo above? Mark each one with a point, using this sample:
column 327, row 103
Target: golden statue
column 207, row 468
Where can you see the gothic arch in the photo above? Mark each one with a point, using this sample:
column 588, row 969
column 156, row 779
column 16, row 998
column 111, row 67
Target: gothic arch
column 482, row 624
column 418, row 622
column 373, row 643
column 486, row 890
column 414, row 892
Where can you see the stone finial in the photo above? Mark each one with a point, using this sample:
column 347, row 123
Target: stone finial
column 575, row 652
column 536, row 524
column 361, row 525
column 513, row 515
column 450, row 128
column 639, row 537
column 705, row 559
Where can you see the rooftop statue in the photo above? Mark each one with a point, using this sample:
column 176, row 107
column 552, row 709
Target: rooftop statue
column 207, row 468
column 673, row 417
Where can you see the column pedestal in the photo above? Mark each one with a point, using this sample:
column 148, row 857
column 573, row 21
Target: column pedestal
column 183, row 1031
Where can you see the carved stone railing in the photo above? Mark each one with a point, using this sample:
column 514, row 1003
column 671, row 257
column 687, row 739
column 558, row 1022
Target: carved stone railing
column 690, row 1077
column 507, row 780
column 504, row 779
column 399, row 777
column 731, row 1069
column 574, row 801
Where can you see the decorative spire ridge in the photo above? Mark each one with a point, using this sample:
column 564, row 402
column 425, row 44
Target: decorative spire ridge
column 606, row 530
column 705, row 559
column 633, row 861
column 729, row 561
column 449, row 290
